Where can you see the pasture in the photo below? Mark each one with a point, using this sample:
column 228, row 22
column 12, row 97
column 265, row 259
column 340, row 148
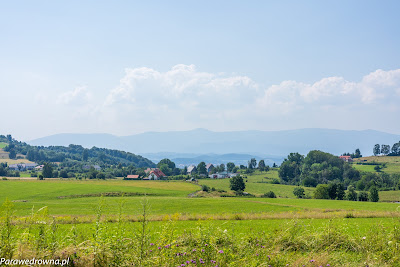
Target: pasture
column 162, row 223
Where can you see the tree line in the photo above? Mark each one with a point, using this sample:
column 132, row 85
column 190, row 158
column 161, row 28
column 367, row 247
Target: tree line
column 386, row 150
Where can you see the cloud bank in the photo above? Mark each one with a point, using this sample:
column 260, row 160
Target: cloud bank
column 184, row 98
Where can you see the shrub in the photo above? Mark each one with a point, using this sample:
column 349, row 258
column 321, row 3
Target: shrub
column 205, row 188
column 40, row 177
column 373, row 194
column 269, row 194
column 363, row 196
column 4, row 178
column 275, row 181
column 299, row 192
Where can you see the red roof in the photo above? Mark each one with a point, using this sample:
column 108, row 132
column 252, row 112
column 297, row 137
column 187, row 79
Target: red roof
column 344, row 157
column 158, row 173
column 131, row 176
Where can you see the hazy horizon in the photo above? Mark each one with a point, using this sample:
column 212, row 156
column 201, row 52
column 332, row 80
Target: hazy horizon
column 125, row 68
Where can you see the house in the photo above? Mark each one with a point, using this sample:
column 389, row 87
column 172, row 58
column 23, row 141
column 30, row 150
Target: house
column 209, row 167
column 39, row 168
column 346, row 158
column 191, row 169
column 22, row 166
column 148, row 170
column 221, row 175
column 155, row 174
column 132, row 177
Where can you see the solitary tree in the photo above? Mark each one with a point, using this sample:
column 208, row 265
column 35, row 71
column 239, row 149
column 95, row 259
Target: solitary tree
column 377, row 150
column 237, row 183
column 252, row 163
column 357, row 153
column 261, row 165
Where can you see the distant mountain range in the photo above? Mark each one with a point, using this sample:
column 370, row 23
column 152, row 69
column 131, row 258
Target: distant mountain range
column 239, row 146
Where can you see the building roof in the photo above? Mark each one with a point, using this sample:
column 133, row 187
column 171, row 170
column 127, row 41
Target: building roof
column 133, row 176
column 157, row 173
column 345, row 157
column 209, row 165
column 191, row 168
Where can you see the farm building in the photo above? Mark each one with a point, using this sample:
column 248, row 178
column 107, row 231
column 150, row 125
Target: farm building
column 191, row 169
column 209, row 167
column 346, row 158
column 22, row 166
column 155, row 174
column 132, row 177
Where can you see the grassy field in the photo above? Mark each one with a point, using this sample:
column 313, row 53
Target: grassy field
column 15, row 161
column 68, row 219
column 392, row 164
column 3, row 145
column 258, row 184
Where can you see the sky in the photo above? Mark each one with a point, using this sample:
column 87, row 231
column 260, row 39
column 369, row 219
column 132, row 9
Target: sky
column 127, row 67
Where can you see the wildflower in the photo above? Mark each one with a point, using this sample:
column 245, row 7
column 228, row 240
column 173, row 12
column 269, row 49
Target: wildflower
column 151, row 244
column 312, row 260
column 364, row 237
column 262, row 246
column 187, row 262
column 257, row 244
column 256, row 254
column 159, row 247
column 328, row 265
column 206, row 245
column 268, row 257
column 183, row 264
column 220, row 251
column 213, row 261
column 167, row 246
column 225, row 231
column 150, row 250
column 193, row 261
column 194, row 250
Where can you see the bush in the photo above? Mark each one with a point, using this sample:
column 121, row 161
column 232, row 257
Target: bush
column 275, row 181
column 373, row 194
column 205, row 188
column 299, row 192
column 363, row 196
column 4, row 178
column 237, row 184
column 269, row 194
column 40, row 177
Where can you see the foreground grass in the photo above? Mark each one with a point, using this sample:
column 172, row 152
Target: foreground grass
column 335, row 242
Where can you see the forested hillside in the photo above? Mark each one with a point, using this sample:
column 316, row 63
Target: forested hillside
column 72, row 153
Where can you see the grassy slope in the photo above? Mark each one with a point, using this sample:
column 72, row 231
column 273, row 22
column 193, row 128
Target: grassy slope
column 392, row 163
column 3, row 145
column 258, row 184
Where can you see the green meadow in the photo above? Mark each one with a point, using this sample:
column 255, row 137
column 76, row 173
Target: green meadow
column 167, row 223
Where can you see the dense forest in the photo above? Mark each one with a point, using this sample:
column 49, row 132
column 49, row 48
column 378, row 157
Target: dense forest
column 74, row 156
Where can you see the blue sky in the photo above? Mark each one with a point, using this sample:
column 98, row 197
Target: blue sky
column 125, row 67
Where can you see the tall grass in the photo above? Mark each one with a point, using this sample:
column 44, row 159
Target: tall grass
column 296, row 243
